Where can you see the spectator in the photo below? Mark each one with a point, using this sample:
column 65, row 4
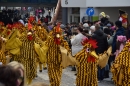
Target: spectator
column 85, row 26
column 107, row 31
column 102, row 44
column 8, row 76
column 119, row 31
column 76, row 42
column 92, row 30
column 20, row 68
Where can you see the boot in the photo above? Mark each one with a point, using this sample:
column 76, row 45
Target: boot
column 73, row 69
column 40, row 71
column 106, row 75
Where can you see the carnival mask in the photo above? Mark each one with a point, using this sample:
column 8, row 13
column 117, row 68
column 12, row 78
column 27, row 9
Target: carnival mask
column 30, row 37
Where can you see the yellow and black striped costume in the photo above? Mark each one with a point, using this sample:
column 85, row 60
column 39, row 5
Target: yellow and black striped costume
column 28, row 57
column 54, row 59
column 2, row 55
column 42, row 34
column 121, row 67
column 86, row 71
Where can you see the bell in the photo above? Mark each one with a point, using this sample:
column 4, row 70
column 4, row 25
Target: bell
column 93, row 53
column 39, row 27
column 58, row 35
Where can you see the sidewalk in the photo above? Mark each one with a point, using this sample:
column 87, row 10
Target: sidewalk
column 68, row 78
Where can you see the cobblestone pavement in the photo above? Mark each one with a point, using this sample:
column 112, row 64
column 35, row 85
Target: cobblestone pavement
column 68, row 78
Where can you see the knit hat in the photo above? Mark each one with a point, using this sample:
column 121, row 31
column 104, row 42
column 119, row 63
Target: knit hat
column 92, row 28
column 102, row 14
column 85, row 25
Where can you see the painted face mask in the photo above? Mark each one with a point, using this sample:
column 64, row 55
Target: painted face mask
column 30, row 37
column 57, row 34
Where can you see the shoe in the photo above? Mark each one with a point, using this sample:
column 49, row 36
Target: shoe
column 40, row 70
column 45, row 68
column 106, row 74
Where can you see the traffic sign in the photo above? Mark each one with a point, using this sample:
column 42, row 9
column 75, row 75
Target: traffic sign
column 90, row 11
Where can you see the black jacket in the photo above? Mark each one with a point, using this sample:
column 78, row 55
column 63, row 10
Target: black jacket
column 104, row 21
column 119, row 32
column 101, row 39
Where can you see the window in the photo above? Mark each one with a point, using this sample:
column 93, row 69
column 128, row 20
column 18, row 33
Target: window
column 75, row 10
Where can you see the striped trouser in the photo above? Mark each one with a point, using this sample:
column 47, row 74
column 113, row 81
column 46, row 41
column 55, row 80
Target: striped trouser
column 54, row 72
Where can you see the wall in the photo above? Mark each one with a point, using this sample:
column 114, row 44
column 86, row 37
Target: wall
column 111, row 11
column 107, row 3
column 73, row 3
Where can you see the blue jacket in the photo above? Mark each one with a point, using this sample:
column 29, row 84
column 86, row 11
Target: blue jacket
column 119, row 32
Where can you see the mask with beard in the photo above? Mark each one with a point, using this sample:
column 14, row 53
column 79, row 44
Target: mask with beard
column 30, row 37
column 57, row 39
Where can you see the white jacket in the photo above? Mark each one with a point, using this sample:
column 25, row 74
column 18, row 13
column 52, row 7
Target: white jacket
column 76, row 43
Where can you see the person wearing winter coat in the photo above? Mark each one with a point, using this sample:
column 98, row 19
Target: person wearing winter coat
column 102, row 44
column 76, row 43
column 119, row 31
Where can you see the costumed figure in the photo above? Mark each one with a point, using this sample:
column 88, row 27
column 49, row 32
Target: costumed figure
column 13, row 34
column 42, row 34
column 2, row 54
column 121, row 67
column 9, row 31
column 87, row 61
column 87, row 67
column 54, row 56
column 104, row 18
column 123, row 17
column 26, row 50
column 2, row 29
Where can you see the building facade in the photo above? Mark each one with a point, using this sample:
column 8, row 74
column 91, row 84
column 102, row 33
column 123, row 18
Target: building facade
column 76, row 9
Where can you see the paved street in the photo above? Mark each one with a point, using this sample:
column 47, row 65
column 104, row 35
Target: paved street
column 68, row 78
